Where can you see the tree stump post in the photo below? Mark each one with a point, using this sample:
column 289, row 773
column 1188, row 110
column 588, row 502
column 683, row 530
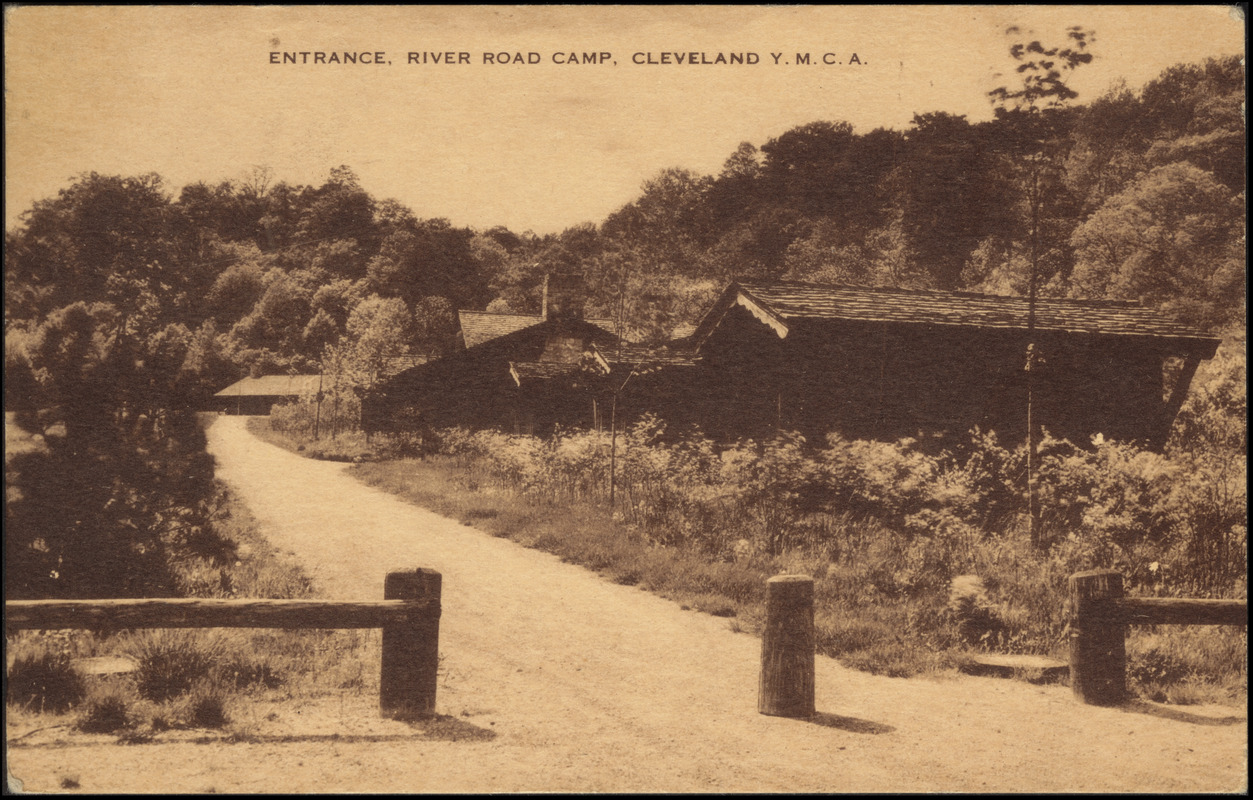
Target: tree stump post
column 1098, row 638
column 411, row 649
column 787, row 648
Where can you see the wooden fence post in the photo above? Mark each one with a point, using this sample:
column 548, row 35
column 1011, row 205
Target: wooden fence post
column 411, row 649
column 1098, row 638
column 787, row 648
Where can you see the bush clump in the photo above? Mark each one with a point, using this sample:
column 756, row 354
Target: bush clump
column 206, row 705
column 107, row 709
column 172, row 662
column 44, row 679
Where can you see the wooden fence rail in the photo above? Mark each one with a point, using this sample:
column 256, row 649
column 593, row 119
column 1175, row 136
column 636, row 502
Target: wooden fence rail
column 408, row 614
column 1099, row 616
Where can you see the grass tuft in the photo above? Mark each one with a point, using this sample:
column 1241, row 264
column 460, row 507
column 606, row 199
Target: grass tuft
column 249, row 670
column 107, row 709
column 172, row 662
column 43, row 679
column 207, row 706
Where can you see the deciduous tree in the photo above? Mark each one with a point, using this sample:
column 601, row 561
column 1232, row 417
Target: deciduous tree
column 1171, row 239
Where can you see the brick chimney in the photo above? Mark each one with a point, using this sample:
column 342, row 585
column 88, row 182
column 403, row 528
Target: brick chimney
column 564, row 297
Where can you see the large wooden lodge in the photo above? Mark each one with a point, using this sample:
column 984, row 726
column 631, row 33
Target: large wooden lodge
column 864, row 362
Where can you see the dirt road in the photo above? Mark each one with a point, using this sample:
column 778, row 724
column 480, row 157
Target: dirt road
column 560, row 681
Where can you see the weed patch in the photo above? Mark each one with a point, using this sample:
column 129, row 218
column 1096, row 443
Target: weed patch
column 108, row 709
column 171, row 662
column 207, row 706
column 43, row 679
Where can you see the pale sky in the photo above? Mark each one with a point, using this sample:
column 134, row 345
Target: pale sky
column 189, row 93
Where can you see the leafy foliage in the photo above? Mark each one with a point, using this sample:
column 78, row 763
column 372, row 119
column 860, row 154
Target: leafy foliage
column 1043, row 70
column 1170, row 238
column 905, row 521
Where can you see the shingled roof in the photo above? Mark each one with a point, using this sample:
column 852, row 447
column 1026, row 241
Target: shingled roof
column 784, row 303
column 638, row 354
column 608, row 359
column 393, row 365
column 272, row 386
column 478, row 327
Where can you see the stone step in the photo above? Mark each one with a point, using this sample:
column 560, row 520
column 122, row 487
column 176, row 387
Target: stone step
column 1004, row 665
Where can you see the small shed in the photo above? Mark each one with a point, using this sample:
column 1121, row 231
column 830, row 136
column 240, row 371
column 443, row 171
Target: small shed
column 255, row 396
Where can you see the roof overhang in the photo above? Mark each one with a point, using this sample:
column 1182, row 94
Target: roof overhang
column 758, row 310
column 736, row 295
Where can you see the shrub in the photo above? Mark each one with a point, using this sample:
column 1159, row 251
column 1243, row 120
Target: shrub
column 1152, row 668
column 770, row 483
column 107, row 709
column 207, row 706
column 44, row 679
column 338, row 414
column 971, row 610
column 171, row 662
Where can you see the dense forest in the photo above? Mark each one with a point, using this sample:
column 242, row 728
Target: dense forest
column 128, row 304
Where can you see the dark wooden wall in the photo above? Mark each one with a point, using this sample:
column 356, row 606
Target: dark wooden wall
column 859, row 379
column 885, row 381
column 473, row 388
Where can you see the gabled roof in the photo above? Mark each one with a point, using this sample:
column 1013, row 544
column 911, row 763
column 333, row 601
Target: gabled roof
column 478, row 327
column 272, row 386
column 783, row 304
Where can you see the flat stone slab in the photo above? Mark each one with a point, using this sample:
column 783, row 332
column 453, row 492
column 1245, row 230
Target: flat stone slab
column 1002, row 665
column 105, row 665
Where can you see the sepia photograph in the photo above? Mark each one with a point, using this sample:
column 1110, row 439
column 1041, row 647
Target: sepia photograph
column 628, row 399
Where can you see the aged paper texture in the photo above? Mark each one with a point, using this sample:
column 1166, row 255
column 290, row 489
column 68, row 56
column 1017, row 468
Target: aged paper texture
column 488, row 153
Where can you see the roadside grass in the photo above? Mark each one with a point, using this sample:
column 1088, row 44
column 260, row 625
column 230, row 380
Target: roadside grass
column 42, row 678
column 185, row 679
column 346, row 446
column 1188, row 665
